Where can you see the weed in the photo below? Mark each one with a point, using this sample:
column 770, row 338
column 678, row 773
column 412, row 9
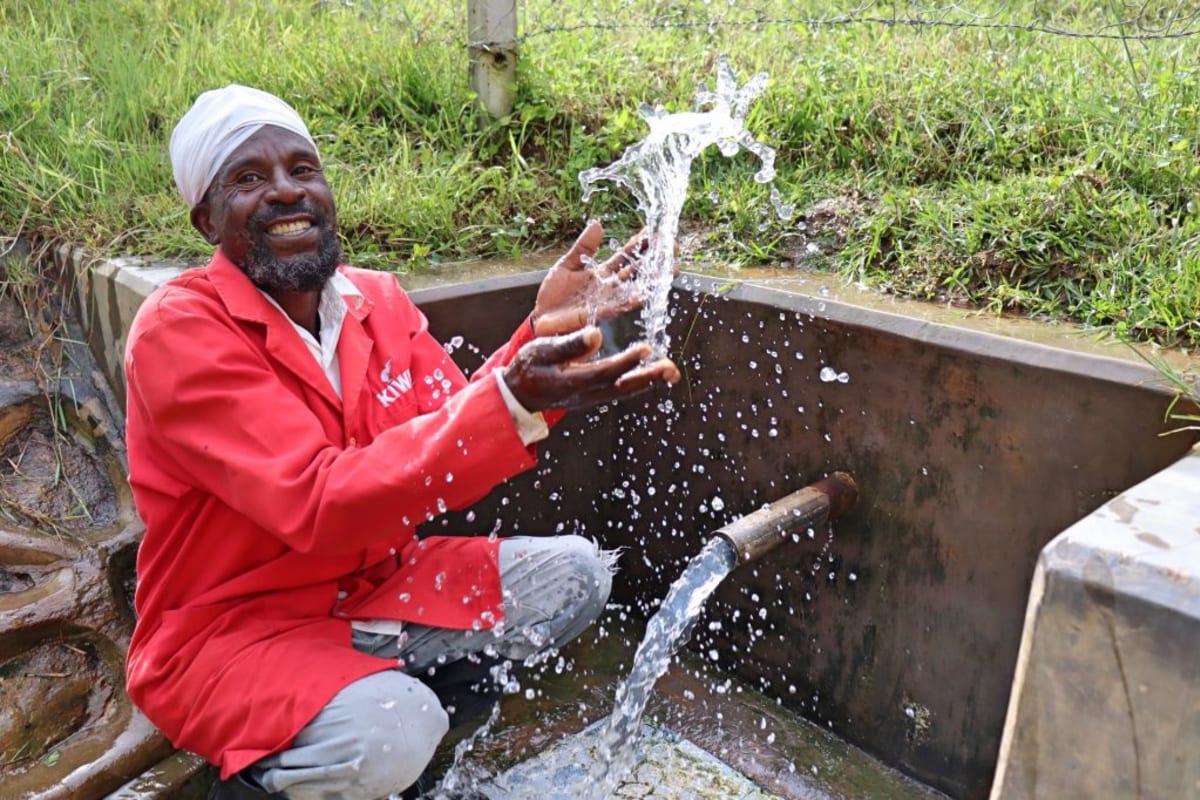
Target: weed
column 1184, row 406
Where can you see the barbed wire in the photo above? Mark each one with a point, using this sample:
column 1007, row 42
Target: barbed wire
column 886, row 21
column 1130, row 22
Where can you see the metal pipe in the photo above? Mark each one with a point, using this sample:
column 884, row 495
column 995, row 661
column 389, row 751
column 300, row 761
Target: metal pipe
column 761, row 531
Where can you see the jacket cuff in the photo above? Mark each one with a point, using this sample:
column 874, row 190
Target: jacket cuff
column 531, row 425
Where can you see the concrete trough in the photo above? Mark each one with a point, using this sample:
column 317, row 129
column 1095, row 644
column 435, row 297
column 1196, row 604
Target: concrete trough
column 898, row 630
column 973, row 452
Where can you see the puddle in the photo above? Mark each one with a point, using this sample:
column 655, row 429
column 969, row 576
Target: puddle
column 669, row 767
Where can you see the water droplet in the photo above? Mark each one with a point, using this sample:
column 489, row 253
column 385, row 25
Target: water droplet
column 828, row 374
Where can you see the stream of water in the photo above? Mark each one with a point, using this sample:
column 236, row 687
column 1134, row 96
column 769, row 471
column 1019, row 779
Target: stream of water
column 609, row 748
column 668, row 630
column 657, row 170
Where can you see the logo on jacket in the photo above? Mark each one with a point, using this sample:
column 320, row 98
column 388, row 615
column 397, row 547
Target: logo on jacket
column 393, row 388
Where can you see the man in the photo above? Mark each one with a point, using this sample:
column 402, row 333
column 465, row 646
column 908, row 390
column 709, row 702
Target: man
column 290, row 423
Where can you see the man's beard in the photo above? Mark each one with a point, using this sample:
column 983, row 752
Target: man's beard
column 298, row 273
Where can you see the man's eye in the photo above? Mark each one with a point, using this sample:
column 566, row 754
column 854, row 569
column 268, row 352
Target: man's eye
column 304, row 169
column 247, row 179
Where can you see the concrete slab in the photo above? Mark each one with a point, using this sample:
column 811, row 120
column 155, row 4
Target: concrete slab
column 1106, row 700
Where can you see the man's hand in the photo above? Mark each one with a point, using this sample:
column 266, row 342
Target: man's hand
column 562, row 304
column 551, row 373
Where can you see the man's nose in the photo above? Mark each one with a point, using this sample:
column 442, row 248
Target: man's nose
column 284, row 187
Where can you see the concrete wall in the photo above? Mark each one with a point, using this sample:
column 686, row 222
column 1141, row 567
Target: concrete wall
column 900, row 630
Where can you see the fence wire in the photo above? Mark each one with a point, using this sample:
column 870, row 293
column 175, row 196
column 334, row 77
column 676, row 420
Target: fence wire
column 1107, row 19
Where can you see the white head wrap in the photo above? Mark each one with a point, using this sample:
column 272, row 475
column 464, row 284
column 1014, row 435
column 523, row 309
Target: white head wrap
column 219, row 121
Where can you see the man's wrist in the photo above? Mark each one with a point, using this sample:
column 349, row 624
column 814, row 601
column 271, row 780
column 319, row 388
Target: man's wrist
column 531, row 425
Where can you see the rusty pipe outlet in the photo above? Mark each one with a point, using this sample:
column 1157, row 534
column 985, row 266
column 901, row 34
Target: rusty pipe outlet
column 761, row 531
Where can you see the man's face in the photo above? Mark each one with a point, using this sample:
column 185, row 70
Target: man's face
column 271, row 211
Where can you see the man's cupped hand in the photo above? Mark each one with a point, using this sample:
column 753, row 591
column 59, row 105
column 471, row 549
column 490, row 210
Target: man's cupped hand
column 553, row 372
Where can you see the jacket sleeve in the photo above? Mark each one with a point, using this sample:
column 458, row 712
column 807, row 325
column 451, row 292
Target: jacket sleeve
column 502, row 357
column 436, row 376
column 226, row 427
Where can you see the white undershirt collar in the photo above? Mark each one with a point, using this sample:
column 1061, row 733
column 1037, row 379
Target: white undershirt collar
column 336, row 295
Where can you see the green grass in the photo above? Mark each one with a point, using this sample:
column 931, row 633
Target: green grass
column 988, row 166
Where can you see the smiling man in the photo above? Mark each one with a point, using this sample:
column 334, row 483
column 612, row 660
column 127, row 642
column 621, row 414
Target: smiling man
column 290, row 422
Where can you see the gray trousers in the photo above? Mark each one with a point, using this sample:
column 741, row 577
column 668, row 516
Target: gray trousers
column 377, row 735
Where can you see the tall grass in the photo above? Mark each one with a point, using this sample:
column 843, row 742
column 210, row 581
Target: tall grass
column 987, row 166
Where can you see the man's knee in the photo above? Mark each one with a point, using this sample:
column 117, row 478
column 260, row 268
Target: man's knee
column 577, row 578
column 399, row 727
column 554, row 588
column 594, row 568
column 374, row 738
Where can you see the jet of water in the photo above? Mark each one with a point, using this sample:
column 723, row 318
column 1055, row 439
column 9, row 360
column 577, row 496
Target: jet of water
column 657, row 170
column 668, row 630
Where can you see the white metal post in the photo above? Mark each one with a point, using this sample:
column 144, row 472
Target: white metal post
column 492, row 48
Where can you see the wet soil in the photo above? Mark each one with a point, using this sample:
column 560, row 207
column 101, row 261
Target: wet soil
column 68, row 535
column 51, row 477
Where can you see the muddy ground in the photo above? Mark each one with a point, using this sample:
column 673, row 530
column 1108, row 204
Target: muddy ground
column 68, row 538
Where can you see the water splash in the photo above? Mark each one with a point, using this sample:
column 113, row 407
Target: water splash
column 657, row 170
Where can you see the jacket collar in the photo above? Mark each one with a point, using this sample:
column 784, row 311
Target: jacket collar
column 239, row 295
column 245, row 302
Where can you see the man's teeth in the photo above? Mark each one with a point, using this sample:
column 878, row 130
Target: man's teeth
column 285, row 228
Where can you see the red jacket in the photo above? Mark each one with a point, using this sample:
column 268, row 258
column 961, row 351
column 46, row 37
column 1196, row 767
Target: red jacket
column 264, row 496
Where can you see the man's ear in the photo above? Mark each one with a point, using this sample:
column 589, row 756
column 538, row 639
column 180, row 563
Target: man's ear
column 202, row 221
